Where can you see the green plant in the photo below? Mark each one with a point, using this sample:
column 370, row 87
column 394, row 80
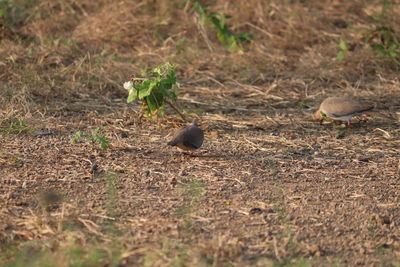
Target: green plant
column 383, row 40
column 78, row 256
column 99, row 138
column 343, row 50
column 4, row 5
column 71, row 253
column 77, row 137
column 154, row 88
column 95, row 137
column 227, row 38
column 15, row 126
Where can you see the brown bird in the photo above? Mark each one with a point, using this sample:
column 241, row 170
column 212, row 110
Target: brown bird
column 341, row 109
column 189, row 137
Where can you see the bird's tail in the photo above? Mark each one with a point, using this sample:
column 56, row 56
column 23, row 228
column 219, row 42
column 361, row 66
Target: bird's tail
column 366, row 107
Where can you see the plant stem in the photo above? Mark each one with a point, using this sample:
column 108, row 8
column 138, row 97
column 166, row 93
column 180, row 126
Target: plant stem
column 176, row 109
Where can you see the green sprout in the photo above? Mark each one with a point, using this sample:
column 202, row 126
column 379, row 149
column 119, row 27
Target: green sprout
column 99, row 138
column 227, row 38
column 77, row 136
column 96, row 137
column 343, row 50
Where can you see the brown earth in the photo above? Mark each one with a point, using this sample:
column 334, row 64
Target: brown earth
column 269, row 187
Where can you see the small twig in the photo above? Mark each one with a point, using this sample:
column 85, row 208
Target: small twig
column 276, row 249
column 176, row 109
column 140, row 79
column 254, row 145
column 261, row 30
column 203, row 33
column 385, row 133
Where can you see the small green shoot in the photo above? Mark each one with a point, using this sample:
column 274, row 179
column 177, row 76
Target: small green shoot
column 96, row 137
column 227, row 38
column 343, row 50
column 99, row 138
column 77, row 137
column 154, row 88
column 302, row 105
column 324, row 116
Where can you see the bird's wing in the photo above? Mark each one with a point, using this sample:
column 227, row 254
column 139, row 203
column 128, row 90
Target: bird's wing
column 347, row 108
column 178, row 137
column 193, row 137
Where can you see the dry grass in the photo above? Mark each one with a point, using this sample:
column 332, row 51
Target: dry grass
column 270, row 187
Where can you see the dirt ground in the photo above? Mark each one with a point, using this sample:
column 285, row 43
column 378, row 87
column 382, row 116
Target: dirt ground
column 269, row 187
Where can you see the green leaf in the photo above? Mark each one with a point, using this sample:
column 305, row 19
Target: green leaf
column 226, row 37
column 202, row 12
column 324, row 116
column 232, row 44
column 392, row 50
column 104, row 143
column 340, row 55
column 154, row 101
column 99, row 138
column 216, row 22
column 156, row 73
column 393, row 54
column 158, row 84
column 173, row 94
column 146, row 88
column 133, row 95
column 167, row 84
column 343, row 45
column 77, row 136
column 244, row 37
column 380, row 49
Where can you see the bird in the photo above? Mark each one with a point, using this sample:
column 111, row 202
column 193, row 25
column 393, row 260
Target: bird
column 341, row 109
column 189, row 137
